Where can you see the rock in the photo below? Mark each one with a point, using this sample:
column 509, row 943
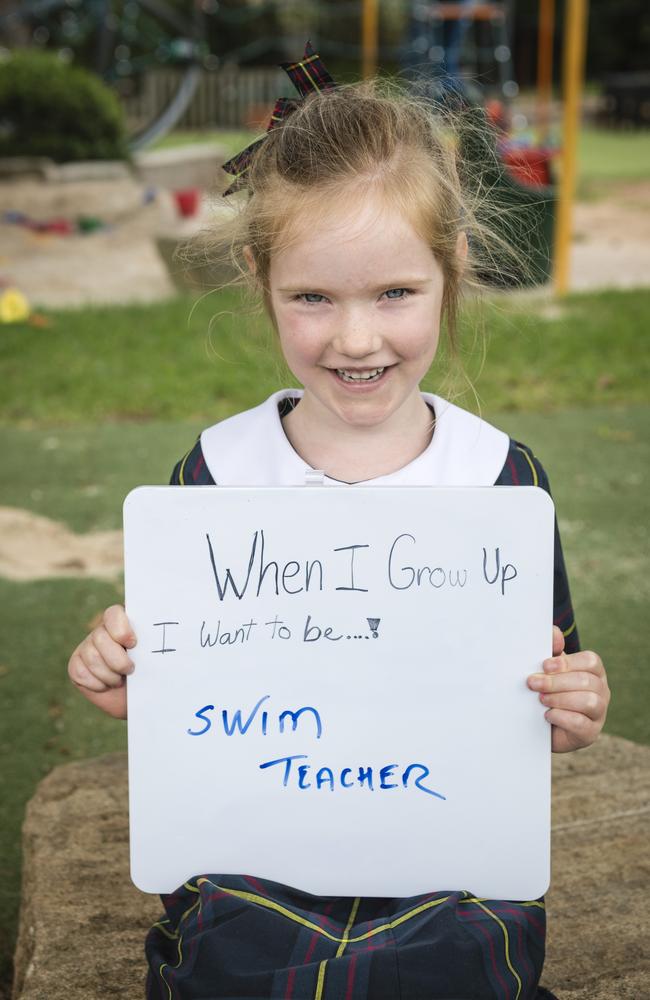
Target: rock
column 83, row 924
column 25, row 167
column 113, row 200
column 28, row 167
column 82, row 921
column 197, row 165
column 89, row 170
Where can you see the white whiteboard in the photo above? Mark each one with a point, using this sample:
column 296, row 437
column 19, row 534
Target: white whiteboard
column 399, row 625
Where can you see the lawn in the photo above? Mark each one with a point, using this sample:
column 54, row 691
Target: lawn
column 206, row 359
column 231, row 141
column 101, row 400
column 613, row 155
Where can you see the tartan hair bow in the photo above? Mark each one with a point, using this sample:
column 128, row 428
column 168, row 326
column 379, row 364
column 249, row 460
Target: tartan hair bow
column 308, row 76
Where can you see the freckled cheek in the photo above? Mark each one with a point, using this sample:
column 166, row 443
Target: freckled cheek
column 419, row 342
column 302, row 340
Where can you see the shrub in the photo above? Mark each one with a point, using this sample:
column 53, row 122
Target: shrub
column 50, row 108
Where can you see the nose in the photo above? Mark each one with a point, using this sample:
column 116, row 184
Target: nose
column 357, row 336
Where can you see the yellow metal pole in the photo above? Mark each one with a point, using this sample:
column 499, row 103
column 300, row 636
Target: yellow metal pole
column 545, row 68
column 370, row 38
column 575, row 25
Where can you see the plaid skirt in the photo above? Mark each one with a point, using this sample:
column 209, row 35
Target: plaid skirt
column 234, row 936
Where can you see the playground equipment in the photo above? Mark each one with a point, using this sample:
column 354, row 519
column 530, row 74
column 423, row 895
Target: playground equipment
column 524, row 180
column 575, row 31
column 121, row 40
column 463, row 46
column 459, row 52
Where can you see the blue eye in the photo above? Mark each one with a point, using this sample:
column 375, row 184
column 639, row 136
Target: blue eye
column 313, row 297
column 397, row 293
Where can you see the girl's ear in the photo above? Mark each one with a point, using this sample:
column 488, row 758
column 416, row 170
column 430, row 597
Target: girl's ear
column 250, row 260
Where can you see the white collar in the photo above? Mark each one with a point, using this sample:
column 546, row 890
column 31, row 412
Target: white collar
column 251, row 449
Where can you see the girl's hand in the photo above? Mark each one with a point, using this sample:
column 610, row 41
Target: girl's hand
column 99, row 665
column 574, row 689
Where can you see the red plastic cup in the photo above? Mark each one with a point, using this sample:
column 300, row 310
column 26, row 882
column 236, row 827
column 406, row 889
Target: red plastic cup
column 531, row 167
column 187, row 201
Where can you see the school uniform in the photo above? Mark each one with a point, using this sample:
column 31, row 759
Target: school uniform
column 236, row 936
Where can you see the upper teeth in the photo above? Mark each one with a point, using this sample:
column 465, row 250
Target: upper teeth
column 359, row 376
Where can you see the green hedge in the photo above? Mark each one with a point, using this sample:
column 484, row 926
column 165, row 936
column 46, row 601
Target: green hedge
column 50, row 108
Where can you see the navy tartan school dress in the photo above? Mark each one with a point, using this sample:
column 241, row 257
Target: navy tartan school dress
column 237, row 936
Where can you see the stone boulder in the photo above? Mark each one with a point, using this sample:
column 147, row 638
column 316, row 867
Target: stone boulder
column 197, row 165
column 82, row 922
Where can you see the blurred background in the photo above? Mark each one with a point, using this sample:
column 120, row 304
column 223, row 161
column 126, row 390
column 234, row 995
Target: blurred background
column 115, row 118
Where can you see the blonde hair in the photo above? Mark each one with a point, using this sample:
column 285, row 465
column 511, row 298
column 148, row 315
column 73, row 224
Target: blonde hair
column 370, row 135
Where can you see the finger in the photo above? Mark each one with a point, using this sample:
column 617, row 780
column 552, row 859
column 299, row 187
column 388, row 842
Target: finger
column 113, row 654
column 585, row 702
column 80, row 675
column 94, row 662
column 572, row 730
column 118, row 626
column 558, row 641
column 586, row 660
column 573, row 680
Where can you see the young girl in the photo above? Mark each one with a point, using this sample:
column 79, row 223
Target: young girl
column 354, row 231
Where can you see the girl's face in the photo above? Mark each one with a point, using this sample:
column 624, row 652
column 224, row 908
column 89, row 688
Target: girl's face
column 357, row 306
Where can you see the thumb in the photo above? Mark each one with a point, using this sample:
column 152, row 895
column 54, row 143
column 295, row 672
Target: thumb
column 558, row 641
column 118, row 626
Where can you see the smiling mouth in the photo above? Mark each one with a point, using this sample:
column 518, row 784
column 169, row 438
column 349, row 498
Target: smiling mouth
column 368, row 375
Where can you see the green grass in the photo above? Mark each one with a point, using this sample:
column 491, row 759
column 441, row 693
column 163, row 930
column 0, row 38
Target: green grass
column 613, row 155
column 204, row 360
column 544, row 355
column 230, row 140
column 135, row 363
column 609, row 159
column 80, row 475
column 599, row 468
